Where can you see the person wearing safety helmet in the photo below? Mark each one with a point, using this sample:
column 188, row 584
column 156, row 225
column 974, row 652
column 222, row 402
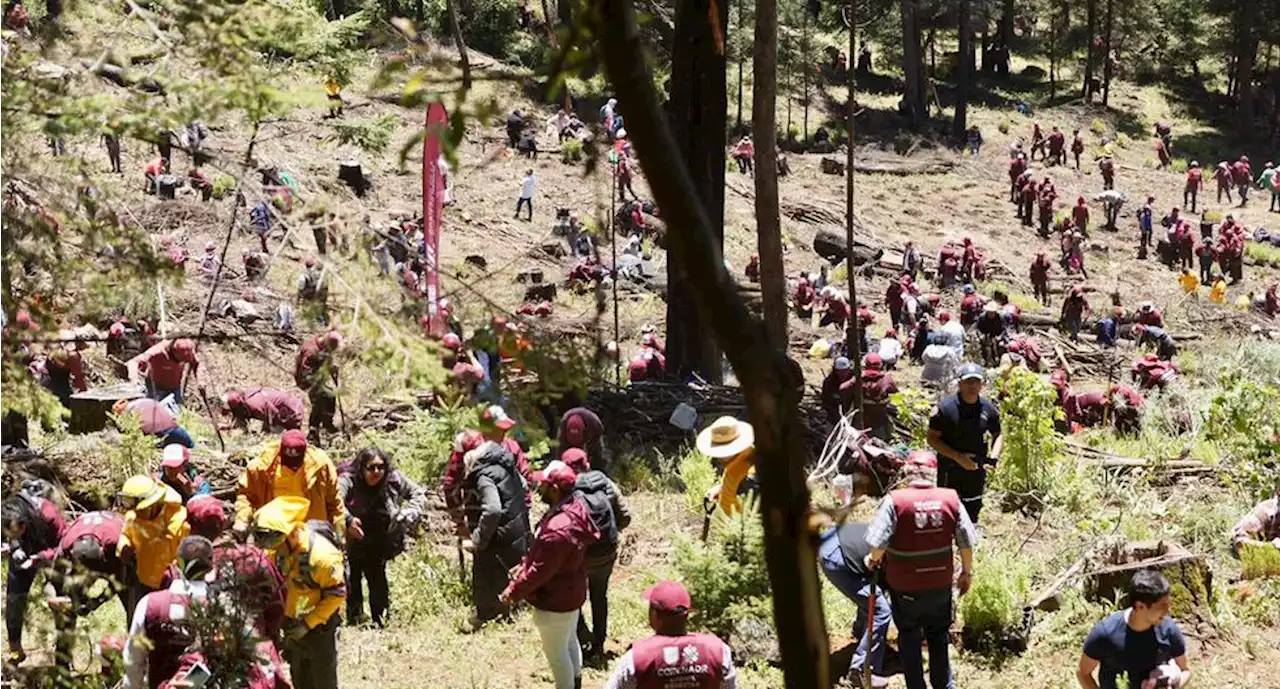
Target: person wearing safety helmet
column 154, row 523
column 164, row 366
column 290, row 467
column 277, row 410
column 178, row 473
column 32, row 525
column 316, row 589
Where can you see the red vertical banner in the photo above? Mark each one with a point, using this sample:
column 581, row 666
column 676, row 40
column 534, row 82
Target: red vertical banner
column 432, row 209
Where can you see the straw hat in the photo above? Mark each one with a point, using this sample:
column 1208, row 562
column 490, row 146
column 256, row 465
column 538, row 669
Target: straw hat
column 726, row 437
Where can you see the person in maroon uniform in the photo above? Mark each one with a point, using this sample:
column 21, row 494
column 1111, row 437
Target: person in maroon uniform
column 1026, row 199
column 1040, row 277
column 32, row 524
column 1057, row 147
column 1077, row 147
column 494, row 424
column 1222, row 176
column 157, row 635
column 1075, row 309
column 912, row 534
column 85, row 554
column 803, row 297
column 1148, row 314
column 1017, row 166
column 877, row 385
column 1242, row 177
column 277, row 410
column 316, row 371
column 1037, row 141
column 1080, row 215
column 164, row 366
column 1192, row 188
column 673, row 657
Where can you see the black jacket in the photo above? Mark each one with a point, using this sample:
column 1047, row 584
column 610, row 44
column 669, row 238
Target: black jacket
column 494, row 499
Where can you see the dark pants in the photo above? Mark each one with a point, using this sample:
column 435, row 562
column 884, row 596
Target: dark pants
column 113, row 153
column 1223, row 189
column 320, row 234
column 489, row 577
column 746, row 165
column 521, row 203
column 178, row 435
column 1073, row 324
column 857, row 589
column 1244, row 193
column 1027, row 213
column 313, row 659
column 598, row 594
column 324, row 403
column 1206, row 272
column 924, row 617
column 1275, row 201
column 158, row 393
column 1041, row 291
column 1189, row 199
column 16, row 588
column 970, row 485
column 373, row 567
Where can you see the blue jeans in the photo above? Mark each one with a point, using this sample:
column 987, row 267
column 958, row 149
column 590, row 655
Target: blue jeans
column 924, row 617
column 158, row 393
column 178, row 435
column 855, row 587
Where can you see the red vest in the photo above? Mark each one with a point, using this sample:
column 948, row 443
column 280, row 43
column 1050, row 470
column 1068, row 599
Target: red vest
column 168, row 638
column 919, row 552
column 692, row 661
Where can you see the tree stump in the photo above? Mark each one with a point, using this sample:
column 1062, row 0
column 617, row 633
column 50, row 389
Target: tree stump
column 831, row 166
column 476, row 260
column 832, row 247
column 353, row 175
column 553, row 249
column 532, row 276
column 1189, row 574
column 542, row 292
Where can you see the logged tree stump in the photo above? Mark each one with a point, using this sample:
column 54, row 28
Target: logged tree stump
column 831, row 166
column 1192, row 580
column 542, row 292
column 353, row 175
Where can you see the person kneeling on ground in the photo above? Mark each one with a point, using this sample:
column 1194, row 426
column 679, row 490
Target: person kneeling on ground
column 1261, row 527
column 672, row 656
column 384, row 505
column 177, row 472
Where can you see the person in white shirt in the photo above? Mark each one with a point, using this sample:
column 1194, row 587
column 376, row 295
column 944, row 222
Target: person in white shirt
column 940, row 362
column 890, row 349
column 953, row 332
column 526, row 193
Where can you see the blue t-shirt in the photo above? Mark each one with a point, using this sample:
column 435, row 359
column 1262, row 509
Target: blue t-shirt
column 1122, row 651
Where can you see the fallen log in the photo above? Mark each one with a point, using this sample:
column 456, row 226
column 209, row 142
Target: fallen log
column 122, row 77
column 833, row 247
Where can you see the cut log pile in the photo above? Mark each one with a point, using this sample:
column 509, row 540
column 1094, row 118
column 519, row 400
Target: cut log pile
column 638, row 415
column 1192, row 580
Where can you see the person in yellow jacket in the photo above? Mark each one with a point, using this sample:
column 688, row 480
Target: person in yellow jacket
column 289, row 467
column 315, row 584
column 732, row 444
column 1189, row 281
column 155, row 522
column 1218, row 293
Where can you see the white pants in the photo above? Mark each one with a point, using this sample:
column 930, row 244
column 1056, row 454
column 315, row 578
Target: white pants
column 559, row 633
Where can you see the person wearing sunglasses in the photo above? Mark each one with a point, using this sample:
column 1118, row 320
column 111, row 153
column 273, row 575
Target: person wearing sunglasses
column 32, row 524
column 311, row 563
column 290, row 467
column 155, row 522
column 384, row 506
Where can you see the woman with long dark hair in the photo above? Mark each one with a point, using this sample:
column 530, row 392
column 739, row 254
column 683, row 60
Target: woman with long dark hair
column 32, row 526
column 384, row 505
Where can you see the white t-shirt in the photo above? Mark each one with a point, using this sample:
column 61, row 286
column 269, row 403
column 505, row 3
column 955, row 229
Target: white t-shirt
column 890, row 350
column 526, row 188
column 954, row 332
column 940, row 362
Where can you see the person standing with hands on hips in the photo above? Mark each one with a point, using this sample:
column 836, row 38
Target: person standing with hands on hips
column 958, row 432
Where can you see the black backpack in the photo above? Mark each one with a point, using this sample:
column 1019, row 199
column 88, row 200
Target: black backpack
column 593, row 486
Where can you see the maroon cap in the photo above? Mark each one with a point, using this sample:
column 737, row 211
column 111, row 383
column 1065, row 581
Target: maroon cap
column 923, row 458
column 558, row 474
column 207, row 516
column 293, row 439
column 874, row 362
column 668, row 597
column 576, row 458
column 495, row 416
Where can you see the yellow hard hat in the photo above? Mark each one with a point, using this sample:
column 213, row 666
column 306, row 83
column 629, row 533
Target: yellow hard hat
column 140, row 492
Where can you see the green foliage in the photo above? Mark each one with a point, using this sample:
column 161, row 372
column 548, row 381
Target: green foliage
column 1032, row 455
column 914, row 406
column 1244, row 418
column 427, row 583
column 571, row 151
column 1004, row 125
column 489, row 26
column 1098, row 127
column 1265, row 254
column 1180, row 165
column 726, row 576
column 371, row 135
column 698, row 476
column 1257, row 561
column 134, row 453
column 421, row 446
column 223, row 185
column 1258, row 602
column 998, row 591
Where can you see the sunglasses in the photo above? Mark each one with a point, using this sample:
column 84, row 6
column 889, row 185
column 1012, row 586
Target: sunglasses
column 375, row 468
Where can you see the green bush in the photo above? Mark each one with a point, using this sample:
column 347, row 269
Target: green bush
column 489, row 26
column 1180, row 165
column 223, row 185
column 421, row 446
column 1003, row 127
column 698, row 476
column 914, row 407
column 996, row 596
column 428, row 583
column 726, row 576
column 1032, row 457
column 1098, row 127
column 135, row 452
column 1265, row 254
column 571, row 151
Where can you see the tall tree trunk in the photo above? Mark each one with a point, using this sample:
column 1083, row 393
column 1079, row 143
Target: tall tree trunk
column 764, row 96
column 1244, row 79
column 1091, row 18
column 964, row 72
column 912, row 65
column 769, row 386
column 463, row 59
column 699, row 108
column 740, row 55
column 1106, row 55
column 1006, row 37
column 1053, row 56
column 418, row 11
column 564, row 12
column 806, row 65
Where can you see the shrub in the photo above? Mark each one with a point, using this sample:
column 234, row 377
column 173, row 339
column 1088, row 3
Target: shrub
column 914, row 406
column 429, row 583
column 1003, row 127
column 223, row 185
column 133, row 454
column 726, row 576
column 1263, row 253
column 1180, row 165
column 998, row 591
column 698, row 476
column 1098, row 127
column 1031, row 461
column 571, row 151
column 421, row 446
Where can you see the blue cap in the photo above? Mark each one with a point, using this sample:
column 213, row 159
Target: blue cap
column 971, row 370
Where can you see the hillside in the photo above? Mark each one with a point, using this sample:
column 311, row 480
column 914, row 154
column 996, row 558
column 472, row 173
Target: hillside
column 1231, row 640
